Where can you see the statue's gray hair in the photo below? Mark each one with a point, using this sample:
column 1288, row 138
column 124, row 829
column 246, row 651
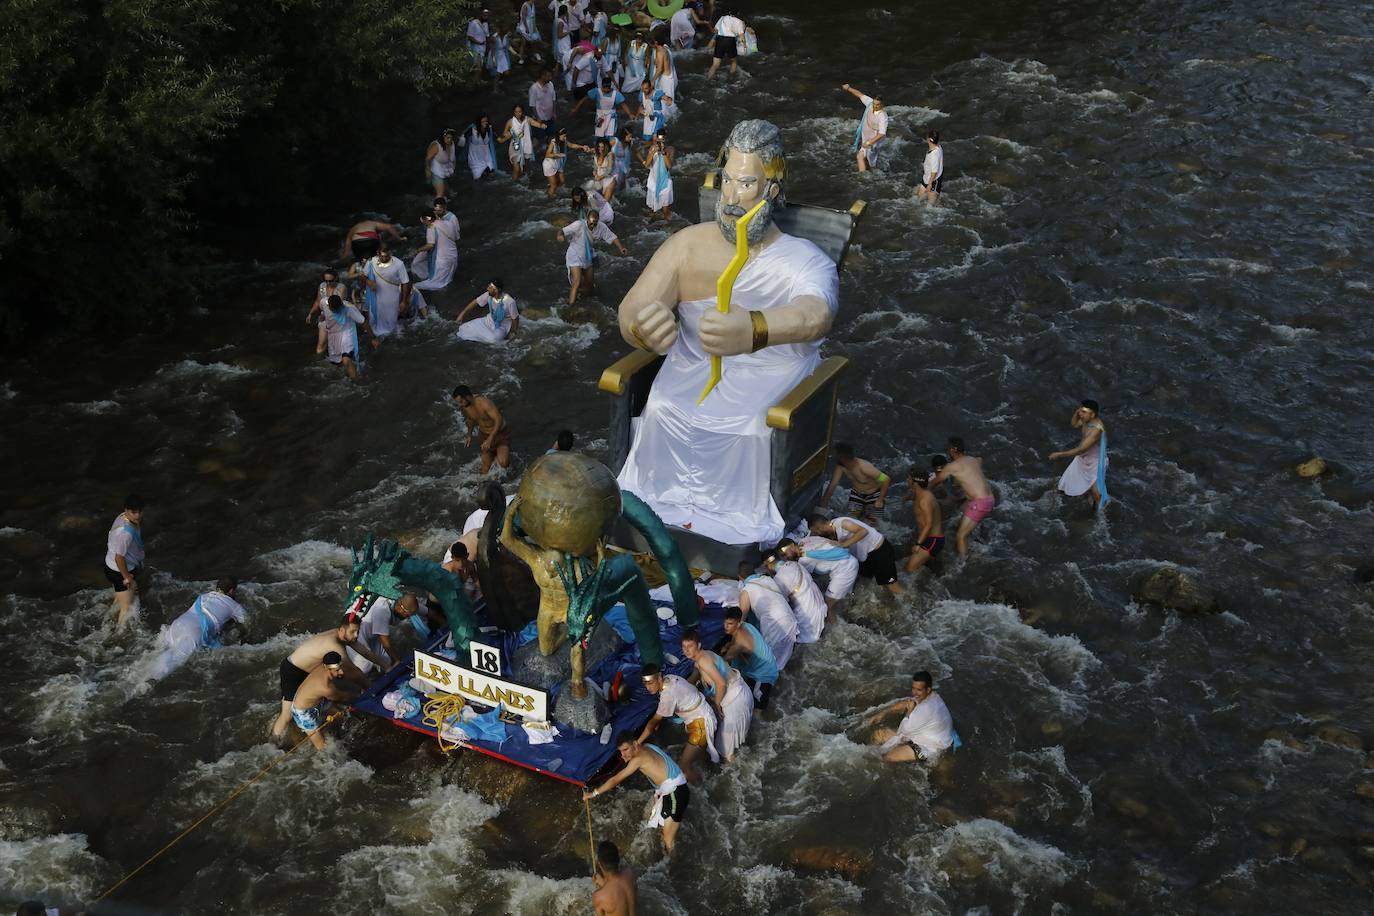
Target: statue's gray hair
column 764, row 138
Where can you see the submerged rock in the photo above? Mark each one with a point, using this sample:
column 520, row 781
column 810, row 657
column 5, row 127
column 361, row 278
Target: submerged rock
column 848, row 861
column 1341, row 737
column 1173, row 588
column 1312, row 467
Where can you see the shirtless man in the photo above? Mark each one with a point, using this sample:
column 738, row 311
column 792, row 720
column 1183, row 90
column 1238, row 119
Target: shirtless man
column 748, row 651
column 968, row 471
column 364, row 239
column 677, row 697
column 310, row 708
column 481, row 414
column 671, row 794
column 615, row 886
column 867, row 485
column 297, row 666
column 930, row 532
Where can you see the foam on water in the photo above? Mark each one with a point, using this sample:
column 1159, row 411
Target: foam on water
column 57, row 869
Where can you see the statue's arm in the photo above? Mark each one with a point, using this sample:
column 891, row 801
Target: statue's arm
column 448, row 589
column 646, row 312
column 665, row 550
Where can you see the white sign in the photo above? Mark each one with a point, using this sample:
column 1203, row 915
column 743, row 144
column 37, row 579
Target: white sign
column 484, row 658
column 482, row 689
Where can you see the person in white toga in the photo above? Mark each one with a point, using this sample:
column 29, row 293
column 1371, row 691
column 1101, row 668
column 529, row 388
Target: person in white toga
column 933, row 171
column 926, row 730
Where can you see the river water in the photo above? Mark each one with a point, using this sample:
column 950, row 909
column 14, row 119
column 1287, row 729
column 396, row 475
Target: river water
column 1162, row 205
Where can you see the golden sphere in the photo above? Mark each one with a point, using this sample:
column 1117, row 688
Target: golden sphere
column 568, row 503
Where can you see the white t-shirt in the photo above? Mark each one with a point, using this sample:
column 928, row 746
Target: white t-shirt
column 542, row 101
column 929, row 727
column 934, row 165
column 375, row 623
column 123, row 542
column 871, row 541
column 875, row 122
column 221, row 609
column 680, row 698
column 581, row 68
column 477, row 32
column 729, row 25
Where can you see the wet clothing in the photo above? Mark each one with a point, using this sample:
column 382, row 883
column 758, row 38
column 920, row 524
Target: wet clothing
column 291, row 679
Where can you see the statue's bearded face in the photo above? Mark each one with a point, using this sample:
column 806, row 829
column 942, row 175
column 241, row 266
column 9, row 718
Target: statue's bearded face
column 742, row 183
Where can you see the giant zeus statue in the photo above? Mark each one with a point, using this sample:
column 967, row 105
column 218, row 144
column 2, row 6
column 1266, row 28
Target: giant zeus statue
column 706, row 466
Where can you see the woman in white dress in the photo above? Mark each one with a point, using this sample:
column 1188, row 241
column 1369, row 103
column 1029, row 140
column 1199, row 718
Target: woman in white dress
column 562, row 33
column 436, row 260
column 518, row 135
column 603, row 168
column 498, row 55
column 528, row 30
column 636, row 66
column 658, row 187
column 481, row 143
column 556, row 159
column 501, row 321
column 440, row 160
column 1087, row 473
column 622, row 154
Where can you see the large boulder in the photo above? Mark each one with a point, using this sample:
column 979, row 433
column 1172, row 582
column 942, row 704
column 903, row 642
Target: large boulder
column 1173, row 588
column 848, row 861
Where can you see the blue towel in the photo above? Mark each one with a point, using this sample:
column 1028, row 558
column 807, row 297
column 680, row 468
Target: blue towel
column 486, row 727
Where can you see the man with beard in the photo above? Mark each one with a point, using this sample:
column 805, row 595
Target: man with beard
column 706, row 466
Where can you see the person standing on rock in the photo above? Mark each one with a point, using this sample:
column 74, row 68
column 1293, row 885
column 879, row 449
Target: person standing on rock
column 671, row 794
column 1087, row 473
column 481, row 414
column 124, row 554
column 677, row 697
column 615, row 886
column 926, row 730
column 968, row 471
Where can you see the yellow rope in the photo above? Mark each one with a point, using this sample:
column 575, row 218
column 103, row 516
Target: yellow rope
column 591, row 841
column 215, row 810
column 439, row 709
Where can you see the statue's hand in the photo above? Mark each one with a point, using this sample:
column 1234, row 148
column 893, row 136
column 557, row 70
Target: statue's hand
column 727, row 333
column 654, row 328
column 375, row 572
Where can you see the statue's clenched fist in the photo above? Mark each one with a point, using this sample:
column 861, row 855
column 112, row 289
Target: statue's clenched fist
column 654, row 327
column 726, row 333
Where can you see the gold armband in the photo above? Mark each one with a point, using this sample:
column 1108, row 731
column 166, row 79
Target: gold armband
column 760, row 325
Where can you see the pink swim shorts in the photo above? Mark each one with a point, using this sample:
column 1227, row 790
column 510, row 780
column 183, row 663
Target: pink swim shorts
column 975, row 510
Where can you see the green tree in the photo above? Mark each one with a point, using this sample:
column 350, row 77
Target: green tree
column 109, row 111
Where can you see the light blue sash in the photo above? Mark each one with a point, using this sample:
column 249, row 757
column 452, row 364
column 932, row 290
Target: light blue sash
column 531, row 28
column 828, row 554
column 661, row 176
column 859, row 131
column 674, row 771
column 134, row 533
column 370, row 294
column 209, row 636
column 587, row 241
column 498, row 310
column 1102, row 471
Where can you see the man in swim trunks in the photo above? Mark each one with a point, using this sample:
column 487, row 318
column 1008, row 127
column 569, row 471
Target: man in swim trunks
column 481, row 414
column 671, row 794
column 725, row 44
column 297, row 666
column 748, row 651
column 930, row 532
column 310, row 708
column 364, row 239
column 968, row 471
column 677, row 697
column 926, row 730
column 873, row 551
column 615, row 886
column 867, row 485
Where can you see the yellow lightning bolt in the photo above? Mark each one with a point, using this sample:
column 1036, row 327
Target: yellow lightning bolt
column 725, row 284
